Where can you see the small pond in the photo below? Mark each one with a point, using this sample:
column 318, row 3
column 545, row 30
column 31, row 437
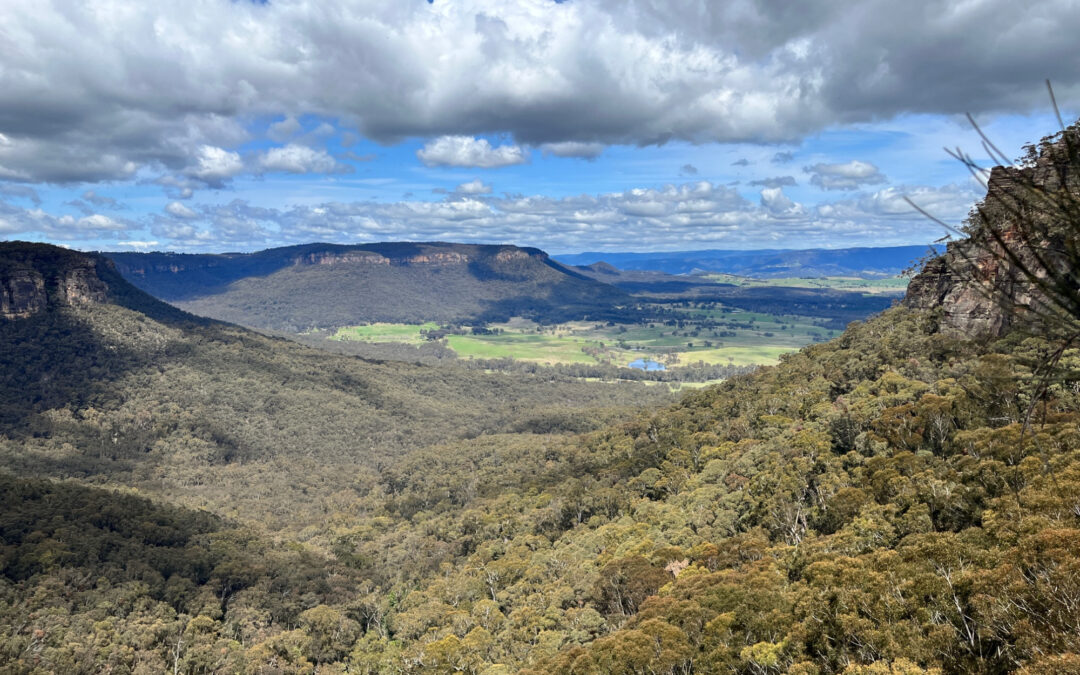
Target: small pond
column 646, row 364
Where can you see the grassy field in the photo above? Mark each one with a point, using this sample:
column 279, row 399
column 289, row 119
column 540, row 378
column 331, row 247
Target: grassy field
column 890, row 285
column 736, row 356
column 691, row 335
column 385, row 332
column 544, row 348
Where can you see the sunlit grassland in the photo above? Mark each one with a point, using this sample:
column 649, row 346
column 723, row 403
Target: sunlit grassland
column 687, row 336
column 385, row 332
column 541, row 348
column 889, row 285
column 760, row 355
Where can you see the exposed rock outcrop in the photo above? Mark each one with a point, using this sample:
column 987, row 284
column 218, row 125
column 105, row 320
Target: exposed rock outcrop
column 22, row 294
column 36, row 277
column 447, row 258
column 512, row 254
column 980, row 290
column 431, row 256
column 336, row 258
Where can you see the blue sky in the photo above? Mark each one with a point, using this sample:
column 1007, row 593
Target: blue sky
column 640, row 125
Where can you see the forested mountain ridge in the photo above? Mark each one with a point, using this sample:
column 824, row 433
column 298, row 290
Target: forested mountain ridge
column 268, row 435
column 842, row 307
column 327, row 285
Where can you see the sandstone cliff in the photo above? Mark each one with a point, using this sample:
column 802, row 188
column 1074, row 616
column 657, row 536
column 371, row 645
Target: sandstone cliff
column 35, row 277
column 990, row 282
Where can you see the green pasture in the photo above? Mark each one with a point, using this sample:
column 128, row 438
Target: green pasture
column 591, row 342
column 385, row 332
column 893, row 285
column 522, row 347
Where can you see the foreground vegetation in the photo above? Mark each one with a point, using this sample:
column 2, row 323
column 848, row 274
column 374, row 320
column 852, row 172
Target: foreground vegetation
column 865, row 502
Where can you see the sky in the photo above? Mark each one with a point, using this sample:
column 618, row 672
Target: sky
column 581, row 125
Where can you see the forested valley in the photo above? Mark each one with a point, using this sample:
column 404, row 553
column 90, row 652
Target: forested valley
column 181, row 495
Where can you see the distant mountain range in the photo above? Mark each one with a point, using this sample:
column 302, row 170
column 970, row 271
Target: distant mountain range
column 867, row 263
column 326, row 285
column 840, row 306
column 323, row 286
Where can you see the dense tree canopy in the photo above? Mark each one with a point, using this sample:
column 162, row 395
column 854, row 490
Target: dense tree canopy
column 866, row 506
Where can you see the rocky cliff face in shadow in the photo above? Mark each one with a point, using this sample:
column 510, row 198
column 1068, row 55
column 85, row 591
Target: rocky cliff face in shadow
column 979, row 290
column 36, row 277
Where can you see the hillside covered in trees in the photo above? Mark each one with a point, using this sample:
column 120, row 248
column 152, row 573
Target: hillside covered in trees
column 902, row 499
column 296, row 288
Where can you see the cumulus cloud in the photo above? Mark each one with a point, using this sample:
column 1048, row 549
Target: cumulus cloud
column 782, row 157
column 691, row 215
column 474, row 187
column 100, row 223
column 775, row 181
column 573, row 149
column 847, row 176
column 180, row 211
column 214, row 166
column 610, row 71
column 779, row 204
column 466, row 151
column 950, row 203
column 295, row 158
column 688, row 170
column 16, row 220
column 741, row 162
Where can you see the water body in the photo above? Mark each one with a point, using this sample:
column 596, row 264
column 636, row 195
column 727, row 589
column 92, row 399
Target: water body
column 646, row 364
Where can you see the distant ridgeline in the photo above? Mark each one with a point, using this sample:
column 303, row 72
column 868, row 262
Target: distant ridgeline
column 868, row 263
column 325, row 285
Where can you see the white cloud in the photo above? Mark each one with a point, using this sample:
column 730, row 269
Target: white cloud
column 100, row 223
column 180, row 211
column 142, row 245
column 847, row 176
column 691, row 215
column 214, row 165
column 466, row 151
column 294, row 158
column 474, row 187
column 16, row 220
column 149, row 86
column 779, row 204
